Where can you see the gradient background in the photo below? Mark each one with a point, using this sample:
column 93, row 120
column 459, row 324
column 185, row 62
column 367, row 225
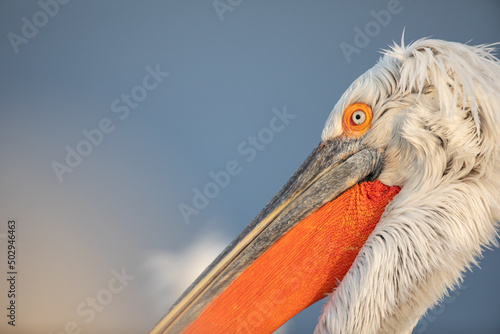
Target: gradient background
column 119, row 207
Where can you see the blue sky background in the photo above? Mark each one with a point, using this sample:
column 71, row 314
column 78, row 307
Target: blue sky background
column 118, row 210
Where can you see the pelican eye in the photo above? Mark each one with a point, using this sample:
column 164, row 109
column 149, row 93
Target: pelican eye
column 357, row 120
column 358, row 117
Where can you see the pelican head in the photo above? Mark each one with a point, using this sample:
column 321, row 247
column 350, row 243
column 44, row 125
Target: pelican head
column 385, row 215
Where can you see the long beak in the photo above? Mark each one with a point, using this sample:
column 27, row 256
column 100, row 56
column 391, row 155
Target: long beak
column 294, row 252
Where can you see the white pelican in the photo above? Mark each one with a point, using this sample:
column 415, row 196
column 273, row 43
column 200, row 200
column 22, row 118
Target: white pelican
column 386, row 214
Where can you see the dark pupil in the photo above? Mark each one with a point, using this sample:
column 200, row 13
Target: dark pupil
column 358, row 116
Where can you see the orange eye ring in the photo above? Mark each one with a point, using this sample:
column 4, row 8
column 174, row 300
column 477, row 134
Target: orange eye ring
column 357, row 120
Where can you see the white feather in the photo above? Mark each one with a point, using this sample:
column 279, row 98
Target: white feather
column 436, row 107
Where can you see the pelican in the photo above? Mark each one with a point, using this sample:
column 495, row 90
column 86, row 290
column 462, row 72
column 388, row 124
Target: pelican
column 396, row 202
